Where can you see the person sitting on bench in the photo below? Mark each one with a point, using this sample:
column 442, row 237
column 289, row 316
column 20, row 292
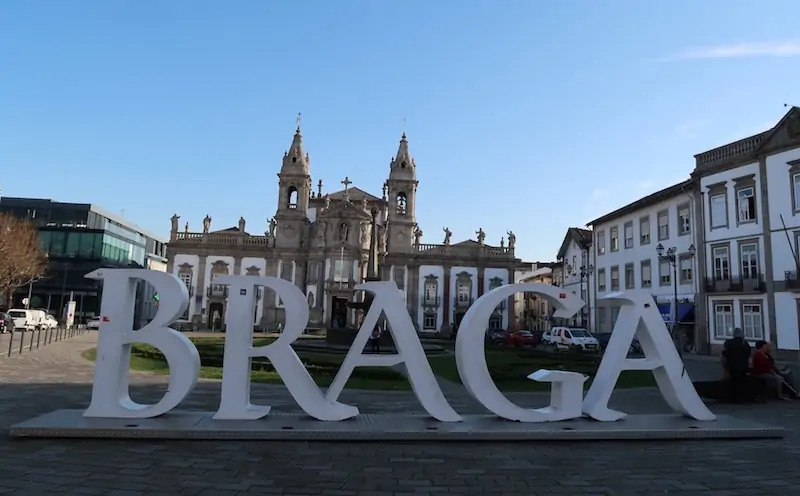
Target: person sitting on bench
column 764, row 367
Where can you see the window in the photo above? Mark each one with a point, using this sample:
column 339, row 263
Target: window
column 746, row 205
column 630, row 282
column 796, row 191
column 663, row 226
column 628, row 230
column 615, row 278
column 462, row 292
column 601, row 243
column 723, row 320
column 495, row 323
column 647, row 274
column 752, row 321
column 644, row 231
column 429, row 322
column 186, row 277
column 749, row 256
column 722, row 270
column 614, row 316
column 685, row 270
column 401, row 204
column 601, row 280
column 614, row 238
column 338, row 271
column 684, row 220
column 718, row 211
column 430, row 293
column 664, row 277
column 601, row 319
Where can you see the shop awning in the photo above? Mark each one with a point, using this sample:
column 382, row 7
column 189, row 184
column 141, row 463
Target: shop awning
column 685, row 312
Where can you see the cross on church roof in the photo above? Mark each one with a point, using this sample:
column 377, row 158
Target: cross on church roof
column 347, row 182
column 299, row 119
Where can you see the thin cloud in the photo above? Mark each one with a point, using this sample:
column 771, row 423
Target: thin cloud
column 739, row 50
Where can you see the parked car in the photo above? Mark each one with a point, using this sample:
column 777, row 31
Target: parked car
column 93, row 323
column 495, row 336
column 50, row 322
column 605, row 337
column 24, row 318
column 6, row 323
column 520, row 338
column 547, row 337
column 574, row 338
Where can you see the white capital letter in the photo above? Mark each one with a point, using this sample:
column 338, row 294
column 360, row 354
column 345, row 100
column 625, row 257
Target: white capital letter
column 661, row 356
column 471, row 360
column 110, row 395
column 239, row 350
column 409, row 352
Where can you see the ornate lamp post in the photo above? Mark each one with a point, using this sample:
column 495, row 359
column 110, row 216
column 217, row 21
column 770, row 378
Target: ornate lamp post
column 670, row 255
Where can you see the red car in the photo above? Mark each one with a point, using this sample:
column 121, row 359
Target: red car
column 520, row 338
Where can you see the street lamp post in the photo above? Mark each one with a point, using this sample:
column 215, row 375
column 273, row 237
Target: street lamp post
column 585, row 272
column 671, row 256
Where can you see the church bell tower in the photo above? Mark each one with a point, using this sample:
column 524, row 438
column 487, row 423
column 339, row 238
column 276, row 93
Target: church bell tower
column 402, row 191
column 294, row 191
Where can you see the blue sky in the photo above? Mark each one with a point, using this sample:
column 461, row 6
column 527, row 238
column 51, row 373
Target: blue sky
column 521, row 114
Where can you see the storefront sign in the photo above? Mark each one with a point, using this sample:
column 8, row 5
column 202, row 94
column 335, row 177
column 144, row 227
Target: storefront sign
column 110, row 397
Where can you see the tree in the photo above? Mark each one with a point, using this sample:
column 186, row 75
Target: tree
column 22, row 260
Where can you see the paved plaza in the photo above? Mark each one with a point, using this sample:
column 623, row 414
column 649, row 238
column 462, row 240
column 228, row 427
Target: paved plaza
column 56, row 377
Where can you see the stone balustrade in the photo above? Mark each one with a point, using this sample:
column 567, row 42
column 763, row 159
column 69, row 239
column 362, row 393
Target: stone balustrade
column 466, row 250
column 730, row 151
column 221, row 239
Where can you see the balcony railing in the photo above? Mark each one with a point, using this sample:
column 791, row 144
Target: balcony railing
column 791, row 279
column 217, row 291
column 431, row 302
column 736, row 284
column 462, row 302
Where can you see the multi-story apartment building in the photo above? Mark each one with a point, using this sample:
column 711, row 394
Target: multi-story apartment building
column 645, row 245
column 576, row 271
column 750, row 196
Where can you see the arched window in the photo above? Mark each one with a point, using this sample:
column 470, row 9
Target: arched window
column 292, row 197
column 401, row 204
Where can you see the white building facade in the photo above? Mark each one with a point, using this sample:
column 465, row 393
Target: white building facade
column 750, row 193
column 577, row 277
column 625, row 256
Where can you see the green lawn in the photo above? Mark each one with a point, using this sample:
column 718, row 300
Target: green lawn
column 510, row 368
column 323, row 368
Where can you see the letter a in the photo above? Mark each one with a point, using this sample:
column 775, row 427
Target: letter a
column 661, row 357
column 409, row 352
column 110, row 395
column 567, row 389
column 239, row 349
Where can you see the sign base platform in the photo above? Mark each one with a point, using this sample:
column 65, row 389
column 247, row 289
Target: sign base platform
column 187, row 424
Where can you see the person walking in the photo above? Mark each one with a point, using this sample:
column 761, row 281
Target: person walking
column 375, row 340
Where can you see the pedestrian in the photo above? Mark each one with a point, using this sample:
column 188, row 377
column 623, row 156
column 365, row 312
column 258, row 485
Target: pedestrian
column 736, row 361
column 775, row 378
column 375, row 340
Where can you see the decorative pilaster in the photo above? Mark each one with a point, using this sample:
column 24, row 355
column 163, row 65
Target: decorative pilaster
column 481, row 273
column 446, row 297
column 200, row 290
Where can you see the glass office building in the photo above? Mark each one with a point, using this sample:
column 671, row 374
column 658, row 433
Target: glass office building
column 79, row 238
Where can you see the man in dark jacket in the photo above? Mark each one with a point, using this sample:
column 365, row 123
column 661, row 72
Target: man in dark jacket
column 736, row 355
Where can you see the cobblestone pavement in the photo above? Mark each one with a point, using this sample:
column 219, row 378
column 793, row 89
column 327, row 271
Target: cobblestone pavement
column 57, row 377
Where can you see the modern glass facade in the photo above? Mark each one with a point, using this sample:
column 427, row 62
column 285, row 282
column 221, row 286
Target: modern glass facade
column 78, row 239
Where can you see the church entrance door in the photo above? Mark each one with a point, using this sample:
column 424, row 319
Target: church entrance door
column 216, row 316
column 338, row 312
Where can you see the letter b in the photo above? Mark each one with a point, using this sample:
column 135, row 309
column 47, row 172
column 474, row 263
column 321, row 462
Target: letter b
column 110, row 394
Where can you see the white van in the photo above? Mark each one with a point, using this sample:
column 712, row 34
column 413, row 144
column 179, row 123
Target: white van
column 573, row 338
column 23, row 318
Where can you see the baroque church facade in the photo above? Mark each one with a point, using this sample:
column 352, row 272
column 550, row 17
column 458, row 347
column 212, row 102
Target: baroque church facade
column 321, row 242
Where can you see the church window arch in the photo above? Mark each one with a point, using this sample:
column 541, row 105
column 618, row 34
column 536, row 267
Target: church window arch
column 401, row 204
column 291, row 197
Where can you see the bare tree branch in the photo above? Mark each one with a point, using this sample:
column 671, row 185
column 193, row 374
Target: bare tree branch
column 22, row 260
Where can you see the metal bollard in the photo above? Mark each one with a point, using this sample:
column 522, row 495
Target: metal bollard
column 38, row 338
column 22, row 340
column 30, row 346
column 10, row 341
column 47, row 334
